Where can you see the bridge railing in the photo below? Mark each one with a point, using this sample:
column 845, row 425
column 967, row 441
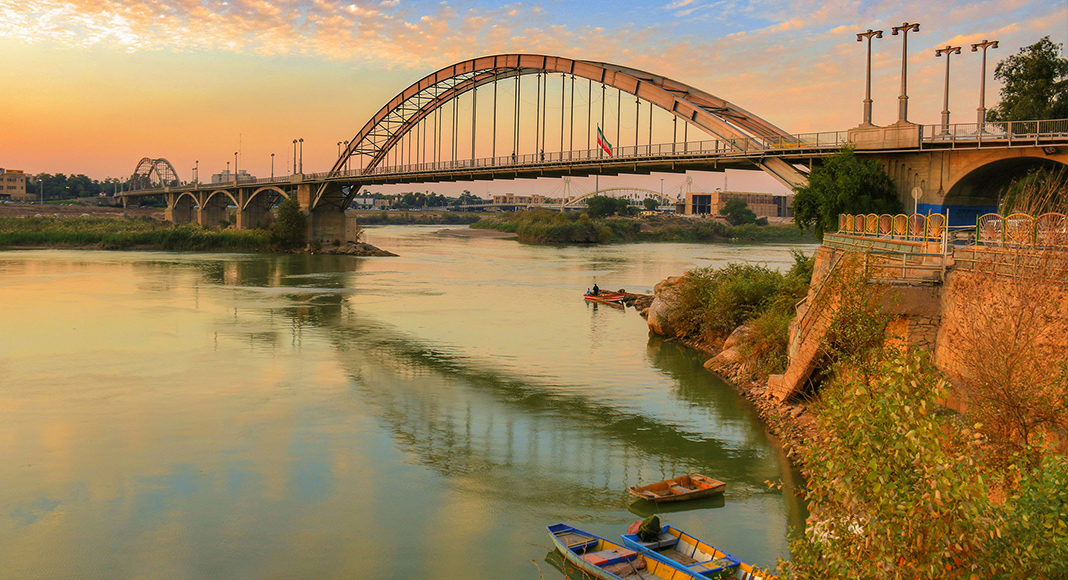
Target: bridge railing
column 711, row 147
column 915, row 227
column 1020, row 229
column 997, row 134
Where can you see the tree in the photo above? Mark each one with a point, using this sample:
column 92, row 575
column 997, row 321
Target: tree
column 650, row 204
column 1035, row 84
column 468, row 198
column 604, row 206
column 290, row 229
column 738, row 212
column 843, row 184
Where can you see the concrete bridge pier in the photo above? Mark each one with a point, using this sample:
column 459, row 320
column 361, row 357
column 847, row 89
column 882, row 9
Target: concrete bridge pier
column 213, row 210
column 327, row 221
column 255, row 210
column 180, row 208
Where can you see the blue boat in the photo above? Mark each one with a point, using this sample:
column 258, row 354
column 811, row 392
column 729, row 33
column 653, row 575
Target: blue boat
column 606, row 560
column 685, row 552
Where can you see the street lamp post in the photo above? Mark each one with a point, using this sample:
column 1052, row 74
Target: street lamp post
column 196, row 170
column 301, row 141
column 294, row 156
column 661, row 187
column 40, row 188
column 867, row 76
column 903, row 100
column 347, row 157
column 947, row 50
column 985, row 44
column 235, row 167
column 272, row 166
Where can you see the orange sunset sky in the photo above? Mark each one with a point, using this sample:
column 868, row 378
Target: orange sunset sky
column 91, row 86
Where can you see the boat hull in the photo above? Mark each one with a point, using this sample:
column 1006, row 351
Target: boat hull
column 605, row 297
column 581, row 549
column 684, row 552
column 682, row 488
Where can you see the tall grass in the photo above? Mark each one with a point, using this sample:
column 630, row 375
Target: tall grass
column 126, row 233
column 548, row 227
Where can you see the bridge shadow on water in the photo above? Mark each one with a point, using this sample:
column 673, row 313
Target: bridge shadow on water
column 485, row 429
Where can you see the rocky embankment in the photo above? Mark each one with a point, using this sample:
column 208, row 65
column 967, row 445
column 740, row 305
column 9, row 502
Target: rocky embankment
column 351, row 249
column 793, row 423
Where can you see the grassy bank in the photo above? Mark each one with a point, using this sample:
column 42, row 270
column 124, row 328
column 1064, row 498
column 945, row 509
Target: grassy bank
column 127, row 233
column 547, row 227
column 405, row 218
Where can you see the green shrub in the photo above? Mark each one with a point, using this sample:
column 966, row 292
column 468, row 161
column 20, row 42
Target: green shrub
column 713, row 302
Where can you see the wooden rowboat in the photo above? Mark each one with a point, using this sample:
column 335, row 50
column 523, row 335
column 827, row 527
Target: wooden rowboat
column 605, row 296
column 606, row 560
column 690, row 486
column 685, row 552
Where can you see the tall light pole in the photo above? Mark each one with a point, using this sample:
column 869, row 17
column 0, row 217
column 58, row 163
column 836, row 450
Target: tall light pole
column 196, row 169
column 40, row 188
column 867, row 76
column 294, row 156
column 985, row 44
column 235, row 167
column 947, row 50
column 272, row 166
column 347, row 157
column 301, row 141
column 661, row 187
column 903, row 100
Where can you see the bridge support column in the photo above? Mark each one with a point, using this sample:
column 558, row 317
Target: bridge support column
column 212, row 211
column 179, row 208
column 255, row 212
column 326, row 222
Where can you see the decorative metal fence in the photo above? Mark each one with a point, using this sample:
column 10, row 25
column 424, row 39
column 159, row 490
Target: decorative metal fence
column 915, row 227
column 1020, row 229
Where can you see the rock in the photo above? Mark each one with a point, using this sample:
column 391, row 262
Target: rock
column 739, row 333
column 661, row 314
column 355, row 249
column 667, row 283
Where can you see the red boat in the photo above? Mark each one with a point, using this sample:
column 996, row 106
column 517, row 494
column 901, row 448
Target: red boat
column 606, row 296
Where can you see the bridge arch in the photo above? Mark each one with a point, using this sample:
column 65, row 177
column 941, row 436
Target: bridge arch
column 153, row 173
column 983, row 184
column 210, row 196
column 269, row 188
column 635, row 193
column 396, row 118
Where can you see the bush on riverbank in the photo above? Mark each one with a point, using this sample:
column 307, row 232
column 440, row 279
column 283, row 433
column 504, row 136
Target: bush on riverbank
column 899, row 487
column 549, row 227
column 405, row 218
column 711, row 303
column 126, row 233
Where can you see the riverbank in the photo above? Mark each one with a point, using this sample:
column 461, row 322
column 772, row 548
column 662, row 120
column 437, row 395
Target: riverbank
column 547, row 227
column 672, row 313
column 116, row 230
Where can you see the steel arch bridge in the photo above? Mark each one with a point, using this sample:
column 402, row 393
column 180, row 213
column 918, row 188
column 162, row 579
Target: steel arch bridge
column 635, row 195
column 153, row 173
column 425, row 99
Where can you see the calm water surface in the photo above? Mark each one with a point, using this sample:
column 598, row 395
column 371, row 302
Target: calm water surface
column 169, row 415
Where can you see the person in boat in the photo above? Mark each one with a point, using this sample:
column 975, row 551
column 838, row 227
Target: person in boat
column 588, row 293
column 596, row 290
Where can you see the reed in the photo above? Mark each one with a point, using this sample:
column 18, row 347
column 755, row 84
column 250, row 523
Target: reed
column 125, row 233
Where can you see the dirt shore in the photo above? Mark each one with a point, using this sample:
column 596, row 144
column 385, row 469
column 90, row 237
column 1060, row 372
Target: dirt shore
column 474, row 233
column 75, row 210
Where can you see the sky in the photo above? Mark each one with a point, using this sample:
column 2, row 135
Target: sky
column 92, row 86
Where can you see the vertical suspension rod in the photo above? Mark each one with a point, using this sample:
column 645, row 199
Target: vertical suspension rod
column 474, row 115
column 563, row 89
column 493, row 147
column 537, row 114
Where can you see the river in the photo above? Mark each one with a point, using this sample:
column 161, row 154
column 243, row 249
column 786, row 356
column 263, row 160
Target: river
column 180, row 415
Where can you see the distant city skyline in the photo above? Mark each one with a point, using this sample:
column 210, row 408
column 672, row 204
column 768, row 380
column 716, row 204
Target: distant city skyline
column 93, row 86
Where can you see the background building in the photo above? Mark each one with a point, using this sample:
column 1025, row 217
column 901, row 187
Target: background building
column 226, row 177
column 762, row 204
column 13, row 185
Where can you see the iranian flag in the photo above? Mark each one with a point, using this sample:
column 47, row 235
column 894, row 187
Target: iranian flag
column 603, row 142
